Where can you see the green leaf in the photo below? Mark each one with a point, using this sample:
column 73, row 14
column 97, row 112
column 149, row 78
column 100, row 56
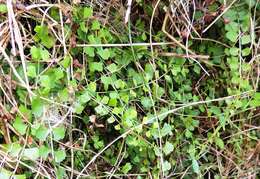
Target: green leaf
column 149, row 71
column 94, row 40
column 126, row 168
column 158, row 91
column 144, row 37
column 195, row 166
column 257, row 96
column 111, row 120
column 232, row 36
column 250, row 3
column 83, row 27
column 112, row 102
column 129, row 116
column 35, row 53
column 19, row 176
column 104, row 53
column 166, row 166
column 112, row 68
column 163, row 113
column 38, row 53
column 42, row 34
column 64, row 95
column 105, row 100
column 245, row 39
column 59, row 156
column 37, row 107
column 25, row 112
column 96, row 66
column 20, row 126
column 117, row 127
column 54, row 13
column 222, row 120
column 45, row 54
column 120, row 84
column 198, row 15
column 188, row 133
column 146, row 102
column 124, row 97
column 215, row 110
column 42, row 133
column 5, row 174
column 58, row 73
column 78, row 108
column 168, row 148
column 14, row 149
column 3, row 8
column 87, row 12
column 255, row 102
column 233, row 63
column 45, row 81
column 246, row 67
column 219, row 142
column 60, row 173
column 44, row 151
column 59, row 133
column 117, row 110
column 101, row 110
column 92, row 87
column 31, row 153
column 246, row 52
column 31, row 71
column 84, row 98
column 90, row 51
column 95, row 25
column 157, row 151
column 48, row 41
column 98, row 144
column 231, row 14
column 113, row 95
column 41, row 31
column 106, row 80
column 130, row 113
column 166, row 130
column 66, row 61
column 132, row 141
column 234, row 51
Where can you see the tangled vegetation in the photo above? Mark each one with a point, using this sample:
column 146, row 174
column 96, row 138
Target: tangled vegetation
column 130, row 89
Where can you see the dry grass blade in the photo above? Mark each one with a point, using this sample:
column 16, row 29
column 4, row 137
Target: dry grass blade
column 18, row 39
